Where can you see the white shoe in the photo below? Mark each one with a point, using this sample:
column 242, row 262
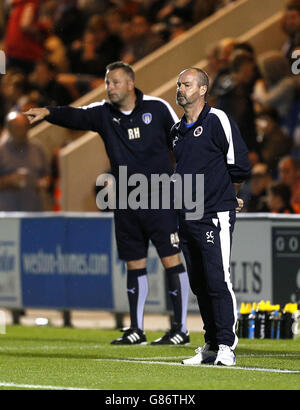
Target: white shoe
column 225, row 356
column 204, row 356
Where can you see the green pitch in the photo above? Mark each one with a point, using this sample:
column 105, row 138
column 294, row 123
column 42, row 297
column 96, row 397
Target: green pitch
column 60, row 358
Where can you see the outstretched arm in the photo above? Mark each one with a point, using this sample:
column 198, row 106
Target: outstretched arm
column 86, row 119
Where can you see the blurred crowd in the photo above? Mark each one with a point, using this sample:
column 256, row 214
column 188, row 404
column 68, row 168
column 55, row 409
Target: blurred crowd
column 262, row 94
column 57, row 50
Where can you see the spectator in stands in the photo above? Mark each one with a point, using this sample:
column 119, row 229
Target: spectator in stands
column 95, row 50
column 234, row 95
column 289, row 173
column 13, row 90
column 25, row 35
column 183, row 9
column 144, row 41
column 291, row 26
column 23, row 169
column 56, row 54
column 44, row 80
column 69, row 21
column 223, row 52
column 114, row 20
column 259, row 182
column 212, row 53
column 127, row 36
column 279, row 198
column 274, row 143
column 278, row 88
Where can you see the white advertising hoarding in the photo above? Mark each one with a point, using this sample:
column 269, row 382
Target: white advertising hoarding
column 251, row 260
column 10, row 281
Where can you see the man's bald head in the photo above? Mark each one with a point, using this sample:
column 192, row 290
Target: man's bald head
column 18, row 126
column 201, row 75
column 192, row 86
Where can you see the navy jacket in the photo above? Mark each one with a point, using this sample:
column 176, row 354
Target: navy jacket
column 213, row 146
column 139, row 141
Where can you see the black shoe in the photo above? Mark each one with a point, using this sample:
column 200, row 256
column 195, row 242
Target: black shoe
column 173, row 337
column 131, row 337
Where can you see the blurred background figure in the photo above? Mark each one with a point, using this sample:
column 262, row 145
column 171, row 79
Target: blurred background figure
column 234, row 95
column 44, row 81
column 13, row 92
column 291, row 26
column 96, row 49
column 289, row 173
column 259, row 182
column 23, row 169
column 25, row 34
column 273, row 142
column 222, row 53
column 277, row 88
column 68, row 20
column 279, row 198
column 144, row 40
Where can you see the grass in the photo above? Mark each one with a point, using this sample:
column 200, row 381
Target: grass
column 77, row 358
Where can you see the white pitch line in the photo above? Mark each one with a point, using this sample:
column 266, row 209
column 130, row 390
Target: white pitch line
column 38, row 387
column 255, row 369
column 239, row 356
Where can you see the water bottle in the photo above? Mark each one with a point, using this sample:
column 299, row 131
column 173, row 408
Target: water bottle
column 268, row 323
column 251, row 322
column 276, row 323
column 260, row 321
column 288, row 320
column 242, row 331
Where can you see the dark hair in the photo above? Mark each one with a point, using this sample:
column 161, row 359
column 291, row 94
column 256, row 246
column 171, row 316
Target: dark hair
column 293, row 5
column 240, row 57
column 282, row 190
column 124, row 66
column 244, row 46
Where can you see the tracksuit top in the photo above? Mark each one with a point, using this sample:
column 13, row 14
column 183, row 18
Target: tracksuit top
column 139, row 141
column 213, row 147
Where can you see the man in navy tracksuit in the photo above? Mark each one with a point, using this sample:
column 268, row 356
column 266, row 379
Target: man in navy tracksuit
column 207, row 142
column 135, row 129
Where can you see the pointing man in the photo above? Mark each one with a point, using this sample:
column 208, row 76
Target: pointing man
column 135, row 129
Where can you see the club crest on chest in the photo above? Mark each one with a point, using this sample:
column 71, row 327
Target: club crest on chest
column 147, row 118
column 198, row 131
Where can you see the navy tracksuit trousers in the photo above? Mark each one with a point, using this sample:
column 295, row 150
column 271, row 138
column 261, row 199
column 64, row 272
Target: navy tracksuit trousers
column 206, row 245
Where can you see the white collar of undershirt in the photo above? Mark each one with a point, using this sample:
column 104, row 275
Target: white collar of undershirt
column 127, row 112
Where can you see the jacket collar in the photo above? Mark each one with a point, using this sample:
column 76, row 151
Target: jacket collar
column 183, row 129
